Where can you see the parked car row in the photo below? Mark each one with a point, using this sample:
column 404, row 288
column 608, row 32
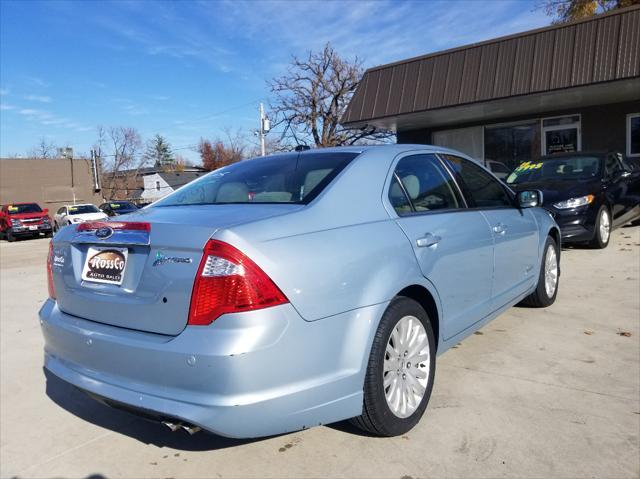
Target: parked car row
column 21, row 220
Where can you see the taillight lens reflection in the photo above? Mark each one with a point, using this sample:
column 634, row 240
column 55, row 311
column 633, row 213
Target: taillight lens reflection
column 52, row 291
column 228, row 282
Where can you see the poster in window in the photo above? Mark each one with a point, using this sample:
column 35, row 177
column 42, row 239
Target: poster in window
column 561, row 141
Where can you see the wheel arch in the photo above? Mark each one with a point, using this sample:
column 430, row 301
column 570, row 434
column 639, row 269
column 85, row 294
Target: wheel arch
column 423, row 296
column 554, row 232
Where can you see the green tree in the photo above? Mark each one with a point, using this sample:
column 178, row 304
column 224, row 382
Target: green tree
column 159, row 152
column 569, row 10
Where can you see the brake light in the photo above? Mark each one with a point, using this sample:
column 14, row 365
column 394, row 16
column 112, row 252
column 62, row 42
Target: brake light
column 229, row 282
column 115, row 225
column 52, row 291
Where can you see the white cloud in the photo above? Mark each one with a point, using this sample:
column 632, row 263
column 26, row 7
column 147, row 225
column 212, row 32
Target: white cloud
column 6, row 106
column 38, row 98
column 4, row 91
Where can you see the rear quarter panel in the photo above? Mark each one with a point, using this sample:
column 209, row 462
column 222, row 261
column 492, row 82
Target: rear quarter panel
column 341, row 252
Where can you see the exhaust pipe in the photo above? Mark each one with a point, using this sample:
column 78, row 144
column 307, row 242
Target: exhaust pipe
column 191, row 429
column 173, row 426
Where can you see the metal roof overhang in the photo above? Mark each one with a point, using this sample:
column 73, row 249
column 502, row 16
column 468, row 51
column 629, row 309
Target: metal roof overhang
column 531, row 104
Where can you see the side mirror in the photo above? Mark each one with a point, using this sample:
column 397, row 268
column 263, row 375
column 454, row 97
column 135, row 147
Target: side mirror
column 46, row 211
column 529, row 199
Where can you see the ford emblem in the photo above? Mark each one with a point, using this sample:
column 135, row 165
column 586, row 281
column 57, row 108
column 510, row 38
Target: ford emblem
column 104, row 232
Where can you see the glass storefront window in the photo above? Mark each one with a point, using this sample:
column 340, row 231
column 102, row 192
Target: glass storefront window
column 512, row 144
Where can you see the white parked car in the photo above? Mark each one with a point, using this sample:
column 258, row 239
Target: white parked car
column 72, row 214
column 500, row 170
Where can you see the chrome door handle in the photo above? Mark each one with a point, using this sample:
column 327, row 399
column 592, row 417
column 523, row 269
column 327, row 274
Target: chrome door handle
column 428, row 240
column 500, row 229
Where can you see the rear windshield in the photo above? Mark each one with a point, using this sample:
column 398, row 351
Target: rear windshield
column 81, row 209
column 287, row 178
column 26, row 208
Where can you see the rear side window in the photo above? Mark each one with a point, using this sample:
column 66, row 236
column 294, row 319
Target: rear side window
column 420, row 184
column 288, row 178
column 484, row 189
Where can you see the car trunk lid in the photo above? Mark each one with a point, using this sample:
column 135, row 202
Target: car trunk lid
column 137, row 278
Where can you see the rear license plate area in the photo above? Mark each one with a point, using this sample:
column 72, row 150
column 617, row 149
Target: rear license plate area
column 105, row 264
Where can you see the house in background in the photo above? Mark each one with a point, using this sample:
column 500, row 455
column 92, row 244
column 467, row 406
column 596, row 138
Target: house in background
column 134, row 186
column 159, row 184
column 567, row 87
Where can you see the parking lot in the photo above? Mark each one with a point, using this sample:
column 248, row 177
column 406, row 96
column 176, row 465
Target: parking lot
column 535, row 393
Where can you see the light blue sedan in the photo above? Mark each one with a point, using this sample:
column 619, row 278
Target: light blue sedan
column 300, row 289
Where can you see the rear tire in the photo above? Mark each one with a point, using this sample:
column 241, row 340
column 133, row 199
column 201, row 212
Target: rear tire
column 548, row 278
column 602, row 232
column 400, row 372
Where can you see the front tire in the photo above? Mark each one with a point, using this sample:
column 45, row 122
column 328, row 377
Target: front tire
column 548, row 279
column 400, row 372
column 603, row 229
column 10, row 236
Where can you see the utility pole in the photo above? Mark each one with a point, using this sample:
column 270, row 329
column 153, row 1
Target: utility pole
column 265, row 126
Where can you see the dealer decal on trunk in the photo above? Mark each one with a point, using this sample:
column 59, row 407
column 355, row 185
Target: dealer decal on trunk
column 105, row 265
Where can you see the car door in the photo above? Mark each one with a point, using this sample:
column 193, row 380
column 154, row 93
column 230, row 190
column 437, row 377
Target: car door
column 453, row 244
column 515, row 231
column 621, row 189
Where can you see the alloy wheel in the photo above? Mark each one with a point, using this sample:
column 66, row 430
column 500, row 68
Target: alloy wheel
column 406, row 366
column 550, row 271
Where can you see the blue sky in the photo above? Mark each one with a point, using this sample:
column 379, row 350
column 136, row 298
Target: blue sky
column 188, row 70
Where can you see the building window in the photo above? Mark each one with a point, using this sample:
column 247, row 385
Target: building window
column 157, row 186
column 466, row 140
column 633, row 134
column 512, row 144
column 561, row 134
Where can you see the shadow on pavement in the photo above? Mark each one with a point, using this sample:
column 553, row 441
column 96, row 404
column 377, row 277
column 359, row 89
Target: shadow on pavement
column 81, row 405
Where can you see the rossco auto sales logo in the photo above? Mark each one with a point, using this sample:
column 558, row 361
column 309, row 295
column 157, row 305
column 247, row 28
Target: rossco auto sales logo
column 107, row 265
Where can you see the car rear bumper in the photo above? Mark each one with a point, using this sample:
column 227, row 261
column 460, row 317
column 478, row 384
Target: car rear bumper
column 247, row 375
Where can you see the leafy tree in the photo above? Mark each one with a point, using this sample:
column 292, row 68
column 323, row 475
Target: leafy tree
column 569, row 10
column 159, row 152
column 311, row 98
column 218, row 153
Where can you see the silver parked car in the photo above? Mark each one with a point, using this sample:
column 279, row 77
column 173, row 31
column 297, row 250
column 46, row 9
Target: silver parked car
column 300, row 289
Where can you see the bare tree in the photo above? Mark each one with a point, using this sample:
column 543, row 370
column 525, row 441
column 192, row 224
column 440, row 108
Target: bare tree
column 311, row 98
column 43, row 150
column 569, row 10
column 122, row 164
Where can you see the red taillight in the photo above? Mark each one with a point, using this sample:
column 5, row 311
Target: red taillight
column 115, row 225
column 52, row 291
column 229, row 282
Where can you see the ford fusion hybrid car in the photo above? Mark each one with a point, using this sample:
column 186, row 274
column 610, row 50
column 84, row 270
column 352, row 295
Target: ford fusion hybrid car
column 304, row 288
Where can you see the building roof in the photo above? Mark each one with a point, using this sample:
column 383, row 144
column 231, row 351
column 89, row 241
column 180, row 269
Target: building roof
column 600, row 49
column 178, row 179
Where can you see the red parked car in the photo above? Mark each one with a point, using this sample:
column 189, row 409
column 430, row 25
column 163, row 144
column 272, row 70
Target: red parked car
column 24, row 219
